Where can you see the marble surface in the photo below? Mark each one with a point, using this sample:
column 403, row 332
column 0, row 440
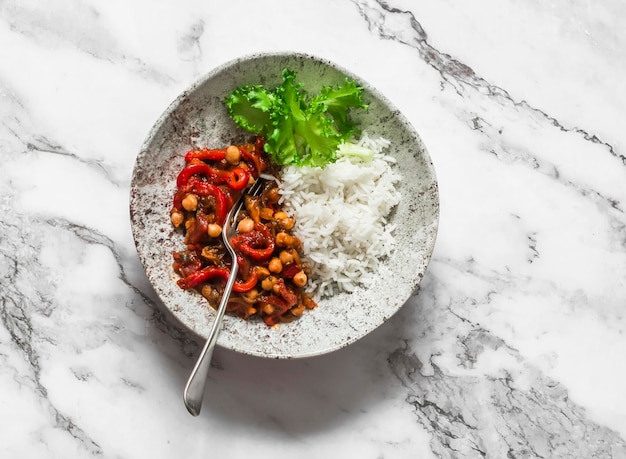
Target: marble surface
column 513, row 347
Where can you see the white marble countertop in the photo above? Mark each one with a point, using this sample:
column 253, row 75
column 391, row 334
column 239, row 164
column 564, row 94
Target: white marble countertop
column 515, row 345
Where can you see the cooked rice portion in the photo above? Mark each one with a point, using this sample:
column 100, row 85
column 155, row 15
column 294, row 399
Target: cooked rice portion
column 341, row 212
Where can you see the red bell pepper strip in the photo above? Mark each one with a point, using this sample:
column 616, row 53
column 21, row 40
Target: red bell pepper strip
column 212, row 272
column 228, row 193
column 280, row 307
column 198, row 229
column 244, row 264
column 254, row 160
column 221, row 204
column 248, row 284
column 237, row 179
column 186, row 263
column 205, row 154
column 257, row 244
column 285, row 300
column 252, row 154
column 291, row 270
column 196, row 168
column 252, row 276
column 286, row 294
column 202, row 275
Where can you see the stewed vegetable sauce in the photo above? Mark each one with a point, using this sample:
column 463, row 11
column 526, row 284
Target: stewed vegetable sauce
column 272, row 277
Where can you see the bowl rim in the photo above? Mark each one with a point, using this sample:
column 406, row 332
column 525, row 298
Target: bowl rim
column 162, row 119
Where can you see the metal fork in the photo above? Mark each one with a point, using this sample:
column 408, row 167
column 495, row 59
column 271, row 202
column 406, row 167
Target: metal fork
column 194, row 390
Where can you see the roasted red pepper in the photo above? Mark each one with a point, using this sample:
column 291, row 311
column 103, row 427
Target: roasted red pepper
column 285, row 299
column 212, row 272
column 248, row 284
column 253, row 155
column 202, row 275
column 198, row 230
column 257, row 244
column 186, row 263
column 218, row 183
column 228, row 194
column 291, row 270
column 280, row 307
column 290, row 297
column 221, row 202
column 195, row 168
column 237, row 179
column 205, row 154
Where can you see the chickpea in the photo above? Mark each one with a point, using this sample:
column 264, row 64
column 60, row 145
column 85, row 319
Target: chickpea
column 287, row 223
column 285, row 240
column 280, row 215
column 207, row 291
column 214, row 230
column 268, row 309
column 190, row 202
column 233, row 155
column 273, row 195
column 210, row 294
column 282, row 239
column 286, row 257
column 262, row 272
column 211, row 254
column 246, row 225
column 268, row 283
column 296, row 259
column 251, row 296
column 300, row 279
column 284, row 221
column 275, row 265
column 266, row 213
column 309, row 303
column 297, row 310
column 276, row 288
column 177, row 218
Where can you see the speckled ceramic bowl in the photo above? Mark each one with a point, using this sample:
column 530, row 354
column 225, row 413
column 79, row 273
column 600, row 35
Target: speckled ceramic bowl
column 198, row 118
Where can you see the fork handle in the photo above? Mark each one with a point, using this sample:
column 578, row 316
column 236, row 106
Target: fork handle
column 194, row 390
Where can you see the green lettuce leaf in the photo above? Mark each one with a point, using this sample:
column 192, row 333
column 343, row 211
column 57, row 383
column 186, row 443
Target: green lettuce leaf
column 298, row 129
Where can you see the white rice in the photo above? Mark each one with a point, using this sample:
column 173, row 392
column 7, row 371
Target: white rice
column 341, row 215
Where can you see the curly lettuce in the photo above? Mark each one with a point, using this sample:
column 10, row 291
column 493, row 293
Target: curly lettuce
column 298, row 128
